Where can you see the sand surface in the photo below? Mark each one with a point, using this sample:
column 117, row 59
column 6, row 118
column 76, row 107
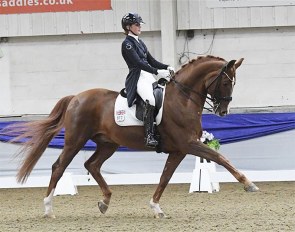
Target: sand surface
column 231, row 209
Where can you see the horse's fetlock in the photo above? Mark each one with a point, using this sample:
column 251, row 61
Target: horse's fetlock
column 242, row 179
column 108, row 195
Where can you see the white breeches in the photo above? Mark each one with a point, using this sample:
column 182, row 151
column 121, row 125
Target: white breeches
column 145, row 87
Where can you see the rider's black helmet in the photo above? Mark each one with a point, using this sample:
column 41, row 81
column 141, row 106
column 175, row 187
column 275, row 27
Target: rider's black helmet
column 129, row 19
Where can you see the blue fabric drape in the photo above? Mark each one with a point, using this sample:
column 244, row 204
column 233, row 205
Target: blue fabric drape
column 229, row 129
column 238, row 127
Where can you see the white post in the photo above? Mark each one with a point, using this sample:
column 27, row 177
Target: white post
column 168, row 31
column 201, row 180
column 66, row 186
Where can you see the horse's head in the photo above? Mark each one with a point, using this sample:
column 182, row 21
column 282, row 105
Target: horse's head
column 221, row 87
column 205, row 76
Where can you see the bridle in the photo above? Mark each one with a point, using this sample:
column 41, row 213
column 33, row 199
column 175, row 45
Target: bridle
column 216, row 98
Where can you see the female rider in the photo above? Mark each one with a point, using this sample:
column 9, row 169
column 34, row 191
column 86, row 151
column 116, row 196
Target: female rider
column 141, row 66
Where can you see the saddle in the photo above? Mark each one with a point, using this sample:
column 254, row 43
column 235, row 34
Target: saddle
column 133, row 116
column 158, row 89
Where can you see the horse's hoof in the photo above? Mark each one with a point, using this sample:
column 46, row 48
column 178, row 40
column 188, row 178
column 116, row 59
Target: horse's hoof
column 51, row 215
column 102, row 207
column 161, row 216
column 251, row 188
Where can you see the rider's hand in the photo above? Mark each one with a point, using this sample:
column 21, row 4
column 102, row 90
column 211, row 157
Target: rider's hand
column 163, row 73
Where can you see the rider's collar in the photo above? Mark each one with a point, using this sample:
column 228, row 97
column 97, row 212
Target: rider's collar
column 134, row 36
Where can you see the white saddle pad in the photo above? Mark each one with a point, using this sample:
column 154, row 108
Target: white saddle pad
column 125, row 116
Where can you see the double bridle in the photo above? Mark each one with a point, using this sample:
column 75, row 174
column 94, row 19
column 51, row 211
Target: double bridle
column 216, row 99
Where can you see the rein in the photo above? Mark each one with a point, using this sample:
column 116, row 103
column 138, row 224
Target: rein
column 215, row 99
column 182, row 88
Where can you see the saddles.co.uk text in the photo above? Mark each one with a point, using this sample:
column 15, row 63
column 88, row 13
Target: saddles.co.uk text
column 28, row 3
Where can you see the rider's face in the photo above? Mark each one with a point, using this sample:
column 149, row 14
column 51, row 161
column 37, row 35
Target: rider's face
column 135, row 29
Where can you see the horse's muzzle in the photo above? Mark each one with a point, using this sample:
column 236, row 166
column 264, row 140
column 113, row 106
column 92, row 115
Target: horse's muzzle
column 223, row 113
column 220, row 111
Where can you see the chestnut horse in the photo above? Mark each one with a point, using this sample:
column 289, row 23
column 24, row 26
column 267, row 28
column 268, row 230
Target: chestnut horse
column 90, row 115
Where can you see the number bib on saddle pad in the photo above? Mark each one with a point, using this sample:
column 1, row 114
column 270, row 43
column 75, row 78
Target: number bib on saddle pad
column 125, row 116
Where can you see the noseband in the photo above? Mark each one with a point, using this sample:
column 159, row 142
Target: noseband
column 216, row 99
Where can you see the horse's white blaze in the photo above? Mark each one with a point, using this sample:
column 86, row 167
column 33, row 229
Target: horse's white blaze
column 233, row 84
column 233, row 81
column 48, row 204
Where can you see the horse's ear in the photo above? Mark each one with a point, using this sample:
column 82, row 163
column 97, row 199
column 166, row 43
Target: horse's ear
column 238, row 63
column 230, row 64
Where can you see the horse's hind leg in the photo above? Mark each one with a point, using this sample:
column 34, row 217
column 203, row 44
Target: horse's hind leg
column 93, row 165
column 58, row 169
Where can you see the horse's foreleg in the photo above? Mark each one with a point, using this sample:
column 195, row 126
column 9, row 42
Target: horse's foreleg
column 171, row 164
column 199, row 149
column 93, row 165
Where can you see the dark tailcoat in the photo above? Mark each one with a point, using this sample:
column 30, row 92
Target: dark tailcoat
column 137, row 58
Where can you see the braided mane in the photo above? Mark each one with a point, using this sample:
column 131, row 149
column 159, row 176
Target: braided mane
column 202, row 59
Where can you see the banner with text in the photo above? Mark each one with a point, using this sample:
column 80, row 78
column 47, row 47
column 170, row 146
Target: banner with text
column 36, row 6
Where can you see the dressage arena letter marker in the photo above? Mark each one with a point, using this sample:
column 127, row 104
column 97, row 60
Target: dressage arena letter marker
column 66, row 185
column 201, row 180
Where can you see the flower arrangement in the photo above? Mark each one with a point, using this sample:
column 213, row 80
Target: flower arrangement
column 208, row 139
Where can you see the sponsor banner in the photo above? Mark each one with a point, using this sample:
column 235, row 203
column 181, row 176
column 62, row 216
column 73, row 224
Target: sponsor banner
column 247, row 3
column 36, row 6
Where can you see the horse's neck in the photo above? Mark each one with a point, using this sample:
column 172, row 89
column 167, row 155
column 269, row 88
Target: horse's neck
column 193, row 79
column 185, row 94
column 196, row 75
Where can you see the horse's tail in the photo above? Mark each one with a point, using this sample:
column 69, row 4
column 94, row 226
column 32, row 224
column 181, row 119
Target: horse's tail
column 37, row 135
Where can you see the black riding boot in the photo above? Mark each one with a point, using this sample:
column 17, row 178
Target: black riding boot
column 149, row 127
